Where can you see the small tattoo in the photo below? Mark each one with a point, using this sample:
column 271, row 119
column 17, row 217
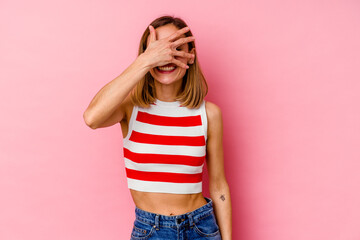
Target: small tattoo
column 171, row 214
column 222, row 197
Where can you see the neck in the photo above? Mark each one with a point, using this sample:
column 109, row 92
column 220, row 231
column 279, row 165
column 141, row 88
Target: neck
column 167, row 92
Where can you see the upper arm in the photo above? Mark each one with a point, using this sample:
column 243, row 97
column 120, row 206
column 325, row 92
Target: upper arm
column 214, row 147
column 118, row 115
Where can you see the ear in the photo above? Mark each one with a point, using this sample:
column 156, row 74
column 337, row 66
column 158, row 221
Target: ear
column 191, row 61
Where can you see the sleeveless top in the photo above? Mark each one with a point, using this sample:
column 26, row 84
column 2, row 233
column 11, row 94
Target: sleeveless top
column 165, row 148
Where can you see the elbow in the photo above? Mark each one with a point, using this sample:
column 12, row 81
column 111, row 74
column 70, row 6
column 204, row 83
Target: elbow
column 88, row 121
column 218, row 186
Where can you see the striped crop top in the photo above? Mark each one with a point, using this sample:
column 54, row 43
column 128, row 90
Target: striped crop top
column 165, row 148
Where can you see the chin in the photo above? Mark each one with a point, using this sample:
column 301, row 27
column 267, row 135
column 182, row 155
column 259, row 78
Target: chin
column 167, row 81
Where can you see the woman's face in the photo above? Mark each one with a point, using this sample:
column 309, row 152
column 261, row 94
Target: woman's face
column 168, row 77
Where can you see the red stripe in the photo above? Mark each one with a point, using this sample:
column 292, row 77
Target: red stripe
column 164, row 176
column 164, row 158
column 167, row 140
column 188, row 121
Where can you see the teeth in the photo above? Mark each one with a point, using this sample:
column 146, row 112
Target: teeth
column 166, row 68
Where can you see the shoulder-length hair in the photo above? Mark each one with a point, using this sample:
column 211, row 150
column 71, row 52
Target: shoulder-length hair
column 194, row 86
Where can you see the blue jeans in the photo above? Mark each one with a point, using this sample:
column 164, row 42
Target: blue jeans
column 198, row 224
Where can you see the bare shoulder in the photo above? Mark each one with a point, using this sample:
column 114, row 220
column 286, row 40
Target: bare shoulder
column 214, row 117
column 213, row 111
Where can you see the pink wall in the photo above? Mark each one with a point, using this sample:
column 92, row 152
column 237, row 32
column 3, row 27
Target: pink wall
column 285, row 73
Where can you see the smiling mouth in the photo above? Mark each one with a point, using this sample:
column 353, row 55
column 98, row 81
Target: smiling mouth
column 168, row 68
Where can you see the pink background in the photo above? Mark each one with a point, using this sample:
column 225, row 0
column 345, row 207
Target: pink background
column 285, row 74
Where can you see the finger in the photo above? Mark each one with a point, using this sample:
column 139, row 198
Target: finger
column 182, row 41
column 179, row 63
column 152, row 34
column 178, row 33
column 183, row 54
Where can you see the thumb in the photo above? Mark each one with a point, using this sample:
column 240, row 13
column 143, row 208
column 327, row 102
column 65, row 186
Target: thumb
column 152, row 34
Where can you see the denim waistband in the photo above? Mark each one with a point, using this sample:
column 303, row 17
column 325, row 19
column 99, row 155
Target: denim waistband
column 159, row 220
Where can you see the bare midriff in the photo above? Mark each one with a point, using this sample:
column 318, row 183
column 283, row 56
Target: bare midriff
column 168, row 204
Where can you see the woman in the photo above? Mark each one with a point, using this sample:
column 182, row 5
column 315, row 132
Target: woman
column 169, row 130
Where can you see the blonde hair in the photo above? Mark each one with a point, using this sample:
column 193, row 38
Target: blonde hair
column 194, row 86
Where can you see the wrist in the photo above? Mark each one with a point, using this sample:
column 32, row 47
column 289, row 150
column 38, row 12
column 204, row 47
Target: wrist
column 144, row 61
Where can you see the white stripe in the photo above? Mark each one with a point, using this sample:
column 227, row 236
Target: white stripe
column 164, row 187
column 162, row 167
column 168, row 130
column 171, row 111
column 196, row 151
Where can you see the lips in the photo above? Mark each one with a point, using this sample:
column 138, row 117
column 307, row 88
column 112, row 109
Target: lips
column 168, row 68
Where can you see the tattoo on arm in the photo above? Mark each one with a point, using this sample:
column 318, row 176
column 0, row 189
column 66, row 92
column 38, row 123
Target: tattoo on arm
column 222, row 197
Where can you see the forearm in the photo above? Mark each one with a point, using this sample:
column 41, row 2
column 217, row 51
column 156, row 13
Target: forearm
column 223, row 210
column 109, row 98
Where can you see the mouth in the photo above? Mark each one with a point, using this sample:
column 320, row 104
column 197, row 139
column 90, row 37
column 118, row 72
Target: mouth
column 168, row 68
